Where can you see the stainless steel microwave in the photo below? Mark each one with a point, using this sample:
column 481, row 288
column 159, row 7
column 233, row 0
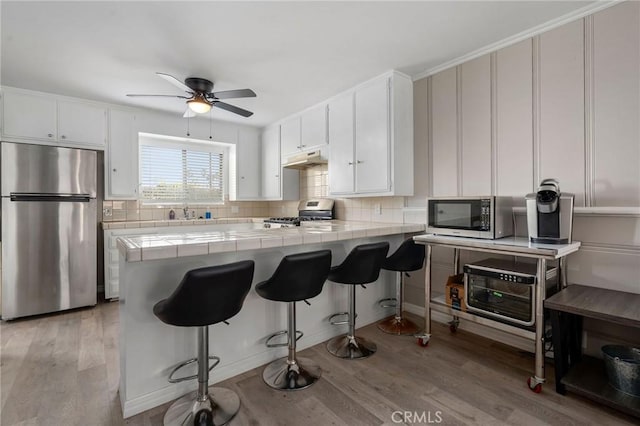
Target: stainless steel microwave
column 487, row 217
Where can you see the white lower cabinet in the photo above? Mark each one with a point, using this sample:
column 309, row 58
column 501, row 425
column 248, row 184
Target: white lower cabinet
column 371, row 138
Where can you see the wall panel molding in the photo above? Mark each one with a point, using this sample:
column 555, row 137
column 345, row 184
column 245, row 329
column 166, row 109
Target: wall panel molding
column 589, row 122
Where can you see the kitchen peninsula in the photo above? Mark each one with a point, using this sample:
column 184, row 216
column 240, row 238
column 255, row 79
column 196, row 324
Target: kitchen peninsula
column 151, row 266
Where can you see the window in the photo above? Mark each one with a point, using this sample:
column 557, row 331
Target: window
column 181, row 170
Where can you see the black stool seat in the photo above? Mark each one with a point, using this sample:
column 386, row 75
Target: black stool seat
column 298, row 277
column 205, row 296
column 361, row 266
column 408, row 257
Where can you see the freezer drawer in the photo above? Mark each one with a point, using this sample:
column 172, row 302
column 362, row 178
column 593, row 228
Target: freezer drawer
column 49, row 253
column 47, row 170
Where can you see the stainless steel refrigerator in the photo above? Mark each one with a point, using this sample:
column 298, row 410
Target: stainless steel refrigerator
column 49, row 229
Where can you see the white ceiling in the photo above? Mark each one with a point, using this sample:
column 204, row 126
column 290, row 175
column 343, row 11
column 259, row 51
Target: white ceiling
column 292, row 54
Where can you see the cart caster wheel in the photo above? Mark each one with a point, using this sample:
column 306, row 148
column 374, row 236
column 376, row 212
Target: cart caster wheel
column 537, row 388
column 423, row 342
column 453, row 328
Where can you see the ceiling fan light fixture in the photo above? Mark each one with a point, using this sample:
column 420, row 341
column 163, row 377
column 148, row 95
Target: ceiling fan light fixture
column 199, row 105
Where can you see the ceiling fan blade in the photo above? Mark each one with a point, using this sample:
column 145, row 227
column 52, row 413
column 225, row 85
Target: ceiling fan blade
column 135, row 95
column 234, row 109
column 171, row 79
column 239, row 93
column 188, row 113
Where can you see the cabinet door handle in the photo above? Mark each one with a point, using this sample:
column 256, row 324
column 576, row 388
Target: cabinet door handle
column 351, row 163
column 277, row 175
column 50, row 135
column 299, row 146
column 359, row 162
column 114, row 170
column 302, row 146
column 241, row 177
column 63, row 137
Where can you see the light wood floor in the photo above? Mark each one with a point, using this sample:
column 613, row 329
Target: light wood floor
column 62, row 370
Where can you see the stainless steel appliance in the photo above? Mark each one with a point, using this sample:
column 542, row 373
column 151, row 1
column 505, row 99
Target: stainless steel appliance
column 49, row 229
column 505, row 289
column 308, row 210
column 550, row 214
column 488, row 217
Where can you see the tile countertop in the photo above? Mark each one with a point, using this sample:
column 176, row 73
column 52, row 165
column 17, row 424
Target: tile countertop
column 178, row 244
column 178, row 222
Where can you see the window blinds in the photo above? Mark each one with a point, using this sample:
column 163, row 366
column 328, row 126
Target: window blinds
column 181, row 174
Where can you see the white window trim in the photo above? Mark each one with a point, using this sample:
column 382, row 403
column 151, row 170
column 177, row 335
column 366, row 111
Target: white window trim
column 151, row 139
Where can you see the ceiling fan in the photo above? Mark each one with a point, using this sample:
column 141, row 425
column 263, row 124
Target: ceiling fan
column 200, row 97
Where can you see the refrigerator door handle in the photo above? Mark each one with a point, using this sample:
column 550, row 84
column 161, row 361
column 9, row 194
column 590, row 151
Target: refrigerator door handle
column 34, row 196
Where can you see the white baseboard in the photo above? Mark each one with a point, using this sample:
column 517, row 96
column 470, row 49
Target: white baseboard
column 479, row 329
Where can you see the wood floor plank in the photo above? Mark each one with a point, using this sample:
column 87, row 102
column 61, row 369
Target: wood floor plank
column 63, row 369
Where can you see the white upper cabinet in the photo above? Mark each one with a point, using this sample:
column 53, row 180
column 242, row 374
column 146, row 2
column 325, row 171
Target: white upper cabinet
column 29, row 116
column 303, row 132
column 372, row 115
column 561, row 121
column 82, row 123
column 271, row 168
column 121, row 157
column 616, row 106
column 248, row 165
column 313, row 123
column 55, row 120
column 444, row 134
column 475, row 108
column 290, row 136
column 341, row 140
column 371, row 138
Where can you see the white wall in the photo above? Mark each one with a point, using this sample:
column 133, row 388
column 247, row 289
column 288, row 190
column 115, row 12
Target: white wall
column 563, row 104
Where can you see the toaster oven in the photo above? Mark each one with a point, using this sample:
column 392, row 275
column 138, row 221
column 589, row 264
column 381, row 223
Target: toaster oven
column 505, row 289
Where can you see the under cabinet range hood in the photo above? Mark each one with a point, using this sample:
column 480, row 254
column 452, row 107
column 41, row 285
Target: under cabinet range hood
column 304, row 160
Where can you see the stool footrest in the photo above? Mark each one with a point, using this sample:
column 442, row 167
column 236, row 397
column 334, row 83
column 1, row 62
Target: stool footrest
column 268, row 343
column 332, row 321
column 187, row 362
column 389, row 302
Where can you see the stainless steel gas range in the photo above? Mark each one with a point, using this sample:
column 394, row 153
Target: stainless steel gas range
column 308, row 211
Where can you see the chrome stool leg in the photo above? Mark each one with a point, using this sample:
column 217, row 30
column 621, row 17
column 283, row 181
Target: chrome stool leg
column 291, row 373
column 208, row 406
column 350, row 346
column 397, row 324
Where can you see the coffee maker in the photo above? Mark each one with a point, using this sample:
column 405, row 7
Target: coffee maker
column 550, row 214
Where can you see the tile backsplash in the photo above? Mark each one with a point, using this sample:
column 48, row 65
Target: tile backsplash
column 313, row 184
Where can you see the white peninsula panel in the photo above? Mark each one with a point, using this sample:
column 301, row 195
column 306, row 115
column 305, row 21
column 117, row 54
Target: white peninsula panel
column 514, row 134
column 562, row 147
column 616, row 97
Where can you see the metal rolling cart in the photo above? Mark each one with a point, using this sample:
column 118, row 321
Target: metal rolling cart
column 511, row 246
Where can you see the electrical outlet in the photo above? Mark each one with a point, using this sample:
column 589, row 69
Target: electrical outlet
column 377, row 208
column 106, row 212
column 235, row 209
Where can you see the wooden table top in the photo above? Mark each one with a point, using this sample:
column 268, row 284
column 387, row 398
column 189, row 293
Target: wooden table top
column 609, row 305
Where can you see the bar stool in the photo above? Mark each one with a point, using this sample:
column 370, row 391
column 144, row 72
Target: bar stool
column 362, row 266
column 408, row 257
column 205, row 296
column 298, row 277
